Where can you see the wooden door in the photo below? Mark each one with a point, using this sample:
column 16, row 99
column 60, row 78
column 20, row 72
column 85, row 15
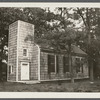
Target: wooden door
column 24, row 71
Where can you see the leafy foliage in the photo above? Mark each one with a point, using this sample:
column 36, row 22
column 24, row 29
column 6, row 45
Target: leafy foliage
column 8, row 16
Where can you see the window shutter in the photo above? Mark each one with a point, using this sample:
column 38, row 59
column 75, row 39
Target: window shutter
column 78, row 65
column 9, row 69
column 49, row 64
column 82, row 68
column 57, row 64
column 64, row 69
column 65, row 64
column 52, row 63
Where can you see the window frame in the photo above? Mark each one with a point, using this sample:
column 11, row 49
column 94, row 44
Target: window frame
column 11, row 71
column 55, row 64
column 65, row 65
column 26, row 52
column 81, row 66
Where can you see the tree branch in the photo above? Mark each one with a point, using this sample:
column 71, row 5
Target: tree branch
column 87, row 15
column 80, row 13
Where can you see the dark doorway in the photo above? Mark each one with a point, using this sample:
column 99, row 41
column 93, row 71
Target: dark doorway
column 4, row 72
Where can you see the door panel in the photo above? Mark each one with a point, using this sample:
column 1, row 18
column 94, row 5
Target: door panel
column 24, row 71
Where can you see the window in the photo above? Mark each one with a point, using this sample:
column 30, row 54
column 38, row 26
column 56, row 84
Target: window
column 79, row 65
column 57, row 64
column 82, row 61
column 53, row 63
column 65, row 64
column 10, row 69
column 25, row 53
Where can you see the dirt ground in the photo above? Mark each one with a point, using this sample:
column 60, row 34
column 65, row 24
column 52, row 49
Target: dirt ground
column 61, row 86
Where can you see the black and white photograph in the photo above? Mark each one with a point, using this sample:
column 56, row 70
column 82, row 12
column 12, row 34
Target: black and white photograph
column 50, row 49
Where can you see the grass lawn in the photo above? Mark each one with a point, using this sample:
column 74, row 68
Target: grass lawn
column 62, row 86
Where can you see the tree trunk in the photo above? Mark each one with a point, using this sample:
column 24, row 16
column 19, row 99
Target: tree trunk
column 91, row 71
column 87, row 25
column 70, row 65
column 90, row 59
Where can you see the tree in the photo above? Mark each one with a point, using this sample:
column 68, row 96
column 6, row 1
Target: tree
column 37, row 16
column 59, row 27
column 90, row 18
column 57, row 35
column 8, row 16
column 67, row 37
column 41, row 19
column 62, row 41
column 89, row 29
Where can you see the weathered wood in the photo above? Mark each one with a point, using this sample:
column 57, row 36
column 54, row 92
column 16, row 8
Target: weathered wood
column 18, row 32
column 60, row 75
column 12, row 53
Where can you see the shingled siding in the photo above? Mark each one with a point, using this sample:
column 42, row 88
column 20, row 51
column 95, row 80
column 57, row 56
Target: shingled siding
column 12, row 51
column 26, row 29
column 34, row 68
column 60, row 75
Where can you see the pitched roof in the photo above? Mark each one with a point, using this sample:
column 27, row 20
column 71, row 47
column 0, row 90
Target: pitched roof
column 75, row 49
